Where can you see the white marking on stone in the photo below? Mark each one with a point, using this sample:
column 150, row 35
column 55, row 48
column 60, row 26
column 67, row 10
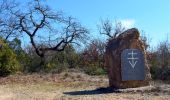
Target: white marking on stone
column 133, row 64
column 133, row 59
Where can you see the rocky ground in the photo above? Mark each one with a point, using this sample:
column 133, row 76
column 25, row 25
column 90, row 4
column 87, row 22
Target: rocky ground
column 75, row 86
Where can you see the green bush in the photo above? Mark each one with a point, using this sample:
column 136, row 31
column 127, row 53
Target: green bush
column 165, row 73
column 155, row 72
column 57, row 62
column 8, row 60
column 160, row 73
column 160, row 63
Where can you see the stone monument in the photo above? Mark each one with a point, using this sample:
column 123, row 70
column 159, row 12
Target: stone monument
column 125, row 59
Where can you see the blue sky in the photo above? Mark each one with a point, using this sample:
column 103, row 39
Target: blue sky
column 152, row 16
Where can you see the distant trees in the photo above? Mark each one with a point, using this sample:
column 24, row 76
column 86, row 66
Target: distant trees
column 56, row 61
column 145, row 39
column 93, row 57
column 163, row 53
column 160, row 62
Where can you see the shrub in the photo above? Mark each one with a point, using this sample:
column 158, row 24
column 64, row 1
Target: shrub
column 160, row 73
column 160, row 61
column 155, row 72
column 8, row 60
column 57, row 62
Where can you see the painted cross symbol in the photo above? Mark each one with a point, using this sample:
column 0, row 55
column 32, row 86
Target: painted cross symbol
column 132, row 60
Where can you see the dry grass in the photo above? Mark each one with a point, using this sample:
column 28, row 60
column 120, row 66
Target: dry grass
column 72, row 86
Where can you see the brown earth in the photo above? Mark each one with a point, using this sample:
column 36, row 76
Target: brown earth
column 75, row 86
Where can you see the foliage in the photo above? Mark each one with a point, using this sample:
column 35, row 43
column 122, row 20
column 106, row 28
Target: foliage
column 90, row 60
column 22, row 57
column 32, row 64
column 55, row 62
column 60, row 61
column 8, row 60
column 160, row 73
column 160, row 63
column 93, row 58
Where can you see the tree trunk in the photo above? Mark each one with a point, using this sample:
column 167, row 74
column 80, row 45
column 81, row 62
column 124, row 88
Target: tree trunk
column 42, row 63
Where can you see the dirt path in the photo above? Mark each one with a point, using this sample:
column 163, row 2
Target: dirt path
column 84, row 87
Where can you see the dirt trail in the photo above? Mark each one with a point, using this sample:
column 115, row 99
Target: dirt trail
column 71, row 86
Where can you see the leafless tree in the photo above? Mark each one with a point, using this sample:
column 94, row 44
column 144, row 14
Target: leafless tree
column 145, row 39
column 48, row 30
column 110, row 30
column 8, row 24
column 163, row 53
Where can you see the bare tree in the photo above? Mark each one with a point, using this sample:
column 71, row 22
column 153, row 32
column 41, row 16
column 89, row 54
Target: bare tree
column 145, row 39
column 48, row 30
column 8, row 24
column 163, row 53
column 110, row 30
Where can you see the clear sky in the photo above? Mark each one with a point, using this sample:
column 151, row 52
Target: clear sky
column 152, row 16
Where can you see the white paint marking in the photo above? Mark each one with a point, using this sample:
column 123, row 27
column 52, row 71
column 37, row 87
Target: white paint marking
column 132, row 62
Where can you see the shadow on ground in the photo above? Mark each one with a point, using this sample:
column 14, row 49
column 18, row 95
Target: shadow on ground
column 160, row 89
column 102, row 90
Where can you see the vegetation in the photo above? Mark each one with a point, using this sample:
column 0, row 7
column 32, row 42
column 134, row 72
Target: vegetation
column 160, row 63
column 8, row 60
column 57, row 49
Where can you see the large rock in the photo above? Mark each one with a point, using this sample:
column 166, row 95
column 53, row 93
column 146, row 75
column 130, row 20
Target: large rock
column 129, row 39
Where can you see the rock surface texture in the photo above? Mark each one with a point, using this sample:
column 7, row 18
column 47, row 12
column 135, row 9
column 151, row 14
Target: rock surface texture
column 129, row 39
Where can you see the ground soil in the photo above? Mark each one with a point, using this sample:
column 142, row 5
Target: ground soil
column 75, row 86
